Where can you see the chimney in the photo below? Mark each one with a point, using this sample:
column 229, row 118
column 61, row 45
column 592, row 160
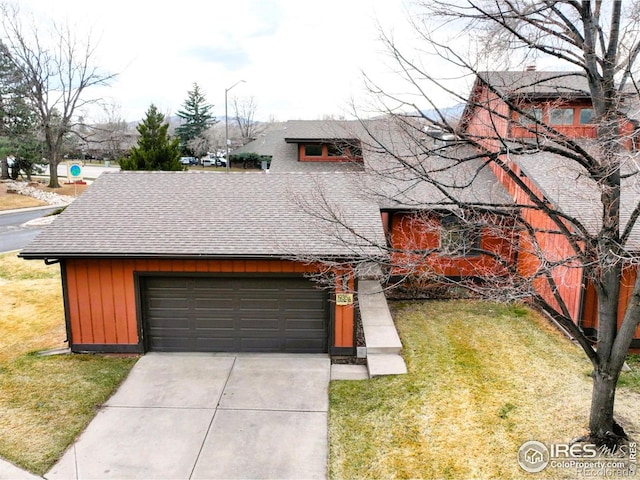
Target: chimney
column 530, row 68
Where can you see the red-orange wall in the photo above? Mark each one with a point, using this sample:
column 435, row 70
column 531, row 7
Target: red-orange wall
column 590, row 308
column 420, row 233
column 101, row 295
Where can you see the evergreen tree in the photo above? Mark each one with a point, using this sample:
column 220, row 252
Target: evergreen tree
column 155, row 149
column 197, row 118
column 18, row 126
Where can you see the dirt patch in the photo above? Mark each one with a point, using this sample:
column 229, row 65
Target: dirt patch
column 10, row 200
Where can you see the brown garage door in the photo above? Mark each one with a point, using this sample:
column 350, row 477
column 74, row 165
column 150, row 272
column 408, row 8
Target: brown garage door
column 234, row 314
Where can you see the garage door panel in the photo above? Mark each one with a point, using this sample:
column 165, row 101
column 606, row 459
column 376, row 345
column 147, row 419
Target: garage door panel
column 231, row 314
column 258, row 325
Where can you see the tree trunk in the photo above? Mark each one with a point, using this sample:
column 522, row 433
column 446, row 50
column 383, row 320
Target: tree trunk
column 603, row 429
column 53, row 174
column 4, row 168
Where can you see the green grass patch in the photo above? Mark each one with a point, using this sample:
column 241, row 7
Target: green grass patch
column 483, row 379
column 45, row 402
column 631, row 380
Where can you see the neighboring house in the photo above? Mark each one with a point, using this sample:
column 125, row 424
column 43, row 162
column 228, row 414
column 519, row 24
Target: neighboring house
column 561, row 100
column 186, row 261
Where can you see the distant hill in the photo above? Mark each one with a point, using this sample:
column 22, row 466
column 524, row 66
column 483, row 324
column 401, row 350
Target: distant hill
column 450, row 113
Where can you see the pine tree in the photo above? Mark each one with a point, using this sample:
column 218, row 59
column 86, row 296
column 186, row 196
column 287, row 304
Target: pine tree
column 197, row 118
column 18, row 126
column 155, row 149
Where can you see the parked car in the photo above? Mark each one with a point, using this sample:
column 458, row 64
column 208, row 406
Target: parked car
column 214, row 160
column 188, row 161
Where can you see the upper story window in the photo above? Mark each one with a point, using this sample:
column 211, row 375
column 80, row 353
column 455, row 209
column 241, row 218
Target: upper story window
column 313, row 150
column 561, row 116
column 558, row 115
column 330, row 152
column 586, row 116
column 533, row 113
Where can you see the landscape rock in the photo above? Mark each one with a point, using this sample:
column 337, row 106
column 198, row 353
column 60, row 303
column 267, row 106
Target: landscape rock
column 24, row 188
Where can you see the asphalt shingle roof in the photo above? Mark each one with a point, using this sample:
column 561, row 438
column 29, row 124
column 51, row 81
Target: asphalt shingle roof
column 537, row 83
column 205, row 214
column 285, row 155
column 568, row 187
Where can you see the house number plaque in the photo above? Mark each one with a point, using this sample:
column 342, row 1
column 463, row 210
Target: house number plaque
column 344, row 298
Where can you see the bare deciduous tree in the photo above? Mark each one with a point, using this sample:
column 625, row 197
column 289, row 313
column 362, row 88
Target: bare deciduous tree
column 244, row 110
column 594, row 234
column 57, row 66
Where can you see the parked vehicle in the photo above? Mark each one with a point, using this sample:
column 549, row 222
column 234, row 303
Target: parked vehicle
column 213, row 160
column 188, row 161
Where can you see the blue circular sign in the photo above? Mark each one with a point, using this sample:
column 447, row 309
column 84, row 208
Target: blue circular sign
column 75, row 170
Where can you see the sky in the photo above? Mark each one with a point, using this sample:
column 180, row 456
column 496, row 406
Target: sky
column 299, row 59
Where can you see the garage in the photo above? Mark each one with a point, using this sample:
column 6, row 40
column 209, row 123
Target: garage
column 234, row 314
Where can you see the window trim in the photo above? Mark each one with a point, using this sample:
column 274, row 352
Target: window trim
column 325, row 156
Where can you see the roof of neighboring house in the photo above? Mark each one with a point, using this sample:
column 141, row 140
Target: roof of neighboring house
column 566, row 184
column 535, row 84
column 385, row 180
column 206, row 214
column 284, row 155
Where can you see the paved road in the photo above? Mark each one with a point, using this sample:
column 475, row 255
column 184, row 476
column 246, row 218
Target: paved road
column 13, row 234
column 89, row 172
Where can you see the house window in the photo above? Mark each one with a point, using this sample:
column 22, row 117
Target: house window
column 336, row 150
column 586, row 116
column 458, row 238
column 339, row 151
column 561, row 116
column 532, row 112
column 313, row 150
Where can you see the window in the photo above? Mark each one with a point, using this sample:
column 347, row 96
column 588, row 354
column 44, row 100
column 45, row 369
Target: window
column 561, row 116
column 458, row 238
column 532, row 112
column 335, row 150
column 338, row 151
column 586, row 116
column 313, row 150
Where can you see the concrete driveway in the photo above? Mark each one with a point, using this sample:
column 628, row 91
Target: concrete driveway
column 207, row 416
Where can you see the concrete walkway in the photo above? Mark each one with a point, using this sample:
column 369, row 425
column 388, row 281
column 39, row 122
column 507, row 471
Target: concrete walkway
column 207, row 416
column 381, row 337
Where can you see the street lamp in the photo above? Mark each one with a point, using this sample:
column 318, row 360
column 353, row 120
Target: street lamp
column 226, row 122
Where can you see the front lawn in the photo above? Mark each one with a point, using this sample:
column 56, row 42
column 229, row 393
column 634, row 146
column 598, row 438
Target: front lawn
column 483, row 379
column 45, row 402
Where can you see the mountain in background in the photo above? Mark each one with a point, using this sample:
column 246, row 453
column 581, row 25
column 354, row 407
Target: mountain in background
column 450, row 113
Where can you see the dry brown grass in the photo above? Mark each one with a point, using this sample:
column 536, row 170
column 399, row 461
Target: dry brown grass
column 483, row 379
column 45, row 402
column 11, row 201
column 33, row 316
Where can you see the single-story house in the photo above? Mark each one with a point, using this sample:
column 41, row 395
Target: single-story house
column 199, row 261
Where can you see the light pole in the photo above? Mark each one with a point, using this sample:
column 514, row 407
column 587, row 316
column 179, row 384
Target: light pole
column 226, row 122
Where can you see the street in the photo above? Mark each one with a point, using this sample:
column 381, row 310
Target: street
column 13, row 235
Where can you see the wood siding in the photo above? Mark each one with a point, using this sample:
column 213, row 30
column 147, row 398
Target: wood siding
column 101, row 297
column 590, row 305
column 414, row 237
column 568, row 279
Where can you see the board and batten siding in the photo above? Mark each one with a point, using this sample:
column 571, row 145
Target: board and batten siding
column 101, row 297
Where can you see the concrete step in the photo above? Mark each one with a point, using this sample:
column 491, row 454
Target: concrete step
column 349, row 372
column 385, row 364
column 380, row 334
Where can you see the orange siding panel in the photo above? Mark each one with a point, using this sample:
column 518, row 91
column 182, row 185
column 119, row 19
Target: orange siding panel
column 102, row 295
column 107, row 313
